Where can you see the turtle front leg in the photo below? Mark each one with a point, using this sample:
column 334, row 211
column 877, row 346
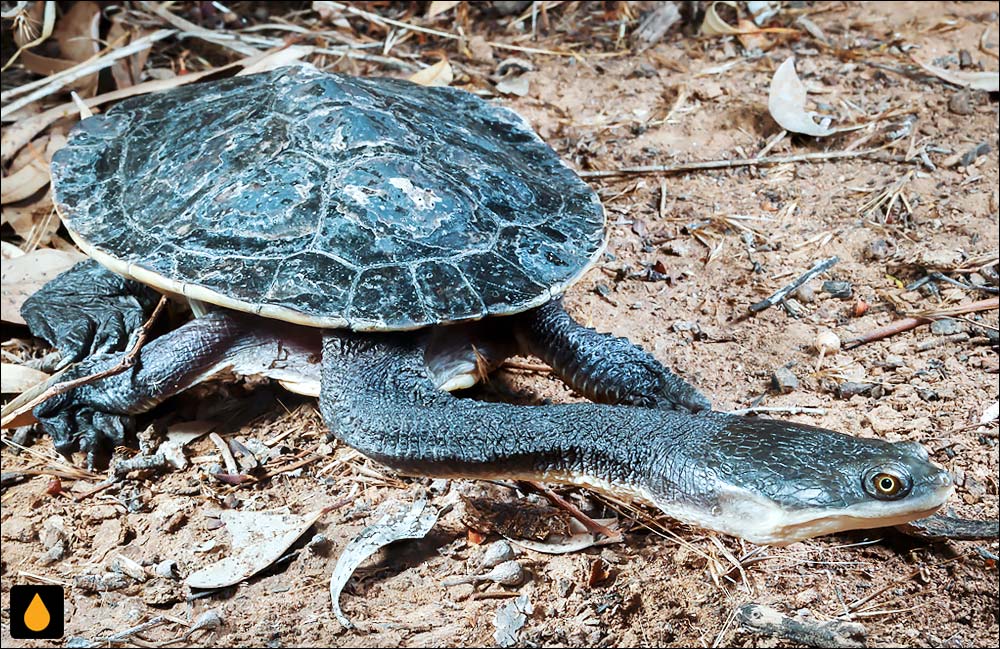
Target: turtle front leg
column 96, row 416
column 602, row 367
column 88, row 310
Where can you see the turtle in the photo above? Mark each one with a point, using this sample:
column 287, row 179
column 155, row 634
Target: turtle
column 383, row 244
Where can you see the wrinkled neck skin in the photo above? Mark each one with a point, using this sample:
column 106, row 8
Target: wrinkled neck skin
column 766, row 481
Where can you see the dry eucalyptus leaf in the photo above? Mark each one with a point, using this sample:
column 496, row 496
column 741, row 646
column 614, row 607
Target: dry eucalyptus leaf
column 34, row 151
column 78, row 31
column 15, row 379
column 787, row 103
column 286, row 56
column 24, row 275
column 713, row 25
column 509, row 620
column 752, row 38
column 9, row 250
column 35, row 222
column 440, row 6
column 78, row 35
column 258, row 540
column 127, row 71
column 439, row 74
column 43, row 65
column 514, row 84
column 411, row 523
column 579, row 539
column 33, row 176
column 762, row 11
column 25, row 181
column 988, row 81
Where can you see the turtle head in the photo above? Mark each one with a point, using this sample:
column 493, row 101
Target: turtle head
column 775, row 482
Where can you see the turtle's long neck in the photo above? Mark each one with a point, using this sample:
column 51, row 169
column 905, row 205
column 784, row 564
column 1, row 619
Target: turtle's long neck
column 377, row 398
column 767, row 481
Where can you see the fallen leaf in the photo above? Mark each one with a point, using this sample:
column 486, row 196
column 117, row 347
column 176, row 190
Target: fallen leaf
column 38, row 20
column 787, row 102
column 579, row 539
column 127, row 71
column 752, row 38
column 35, row 222
column 24, row 275
column 514, row 85
column 440, row 6
column 286, row 56
column 762, row 11
column 988, row 81
column 713, row 25
column 510, row 619
column 78, row 34
column 258, row 540
column 180, row 435
column 439, row 74
column 411, row 523
column 15, row 379
column 33, row 176
column 25, row 181
column 9, row 250
column 44, row 65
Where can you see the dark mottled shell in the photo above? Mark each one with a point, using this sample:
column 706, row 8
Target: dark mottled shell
column 329, row 200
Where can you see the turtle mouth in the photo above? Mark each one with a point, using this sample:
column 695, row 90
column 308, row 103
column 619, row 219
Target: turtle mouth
column 761, row 520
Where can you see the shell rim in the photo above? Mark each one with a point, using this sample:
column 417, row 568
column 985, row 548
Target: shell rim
column 285, row 314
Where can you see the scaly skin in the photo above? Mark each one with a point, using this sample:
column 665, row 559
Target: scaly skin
column 602, row 367
column 767, row 481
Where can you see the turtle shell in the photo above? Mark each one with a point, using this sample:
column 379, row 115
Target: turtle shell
column 328, row 200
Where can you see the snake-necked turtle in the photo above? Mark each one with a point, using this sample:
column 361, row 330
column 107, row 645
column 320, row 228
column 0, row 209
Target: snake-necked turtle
column 308, row 212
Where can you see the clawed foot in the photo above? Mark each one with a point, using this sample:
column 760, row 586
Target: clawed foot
column 88, row 310
column 84, row 418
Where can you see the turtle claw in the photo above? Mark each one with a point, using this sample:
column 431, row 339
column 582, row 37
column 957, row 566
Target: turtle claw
column 87, row 310
column 88, row 430
column 80, row 419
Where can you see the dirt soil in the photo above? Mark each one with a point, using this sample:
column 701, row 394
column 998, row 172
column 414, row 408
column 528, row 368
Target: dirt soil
column 687, row 254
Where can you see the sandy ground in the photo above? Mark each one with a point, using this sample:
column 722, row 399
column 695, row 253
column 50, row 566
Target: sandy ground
column 718, row 241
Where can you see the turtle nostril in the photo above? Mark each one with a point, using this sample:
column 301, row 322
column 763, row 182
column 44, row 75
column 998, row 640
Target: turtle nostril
column 944, row 479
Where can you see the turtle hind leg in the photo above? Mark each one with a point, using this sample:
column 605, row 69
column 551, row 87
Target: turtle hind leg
column 98, row 415
column 600, row 366
column 88, row 310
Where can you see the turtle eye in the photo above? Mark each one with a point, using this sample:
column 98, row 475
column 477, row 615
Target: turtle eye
column 886, row 486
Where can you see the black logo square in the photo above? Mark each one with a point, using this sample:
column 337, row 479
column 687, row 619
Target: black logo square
column 36, row 612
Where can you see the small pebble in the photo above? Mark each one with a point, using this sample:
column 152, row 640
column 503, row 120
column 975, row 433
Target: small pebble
column 319, row 545
column 784, row 381
column 644, row 71
column 945, row 327
column 849, row 389
column 960, row 103
column 508, row 573
column 973, row 154
column 497, row 553
column 893, row 362
column 842, row 290
column 876, row 250
column 805, row 293
column 166, row 568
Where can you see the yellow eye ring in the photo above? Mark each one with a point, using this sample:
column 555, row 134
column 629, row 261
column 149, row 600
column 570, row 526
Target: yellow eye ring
column 886, row 484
